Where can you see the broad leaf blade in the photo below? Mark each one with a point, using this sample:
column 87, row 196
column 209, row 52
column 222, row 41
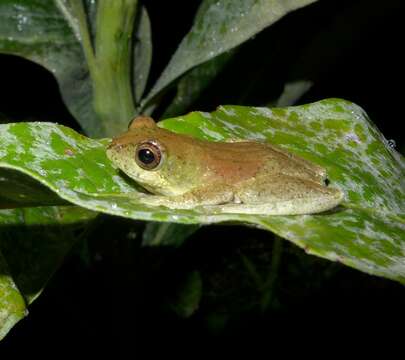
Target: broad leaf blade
column 38, row 31
column 194, row 83
column 220, row 26
column 372, row 242
column 18, row 190
column 142, row 53
column 48, row 33
column 365, row 233
column 45, row 215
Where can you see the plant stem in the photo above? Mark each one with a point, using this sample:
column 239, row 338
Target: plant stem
column 81, row 30
column 110, row 59
column 111, row 73
column 268, row 287
column 250, row 267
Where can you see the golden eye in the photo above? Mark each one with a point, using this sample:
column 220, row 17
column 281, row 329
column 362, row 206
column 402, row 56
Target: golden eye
column 148, row 155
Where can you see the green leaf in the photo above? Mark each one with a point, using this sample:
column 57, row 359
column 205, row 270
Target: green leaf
column 366, row 232
column 292, row 92
column 158, row 234
column 12, row 304
column 219, row 26
column 33, row 242
column 38, row 31
column 188, row 297
column 142, row 53
column 18, row 190
column 59, row 35
column 194, row 82
column 45, row 215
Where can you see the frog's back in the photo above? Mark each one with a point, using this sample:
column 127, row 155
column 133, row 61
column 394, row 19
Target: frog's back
column 246, row 159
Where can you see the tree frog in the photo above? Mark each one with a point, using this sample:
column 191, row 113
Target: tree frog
column 182, row 172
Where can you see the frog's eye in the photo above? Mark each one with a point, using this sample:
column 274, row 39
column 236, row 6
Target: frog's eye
column 148, row 155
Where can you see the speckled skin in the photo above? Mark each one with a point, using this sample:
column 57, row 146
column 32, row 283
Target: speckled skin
column 241, row 176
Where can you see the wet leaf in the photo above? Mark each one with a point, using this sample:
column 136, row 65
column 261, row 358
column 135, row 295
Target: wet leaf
column 218, row 27
column 366, row 232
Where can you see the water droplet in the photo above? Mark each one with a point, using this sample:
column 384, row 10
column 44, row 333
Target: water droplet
column 22, row 20
column 391, row 143
column 114, row 206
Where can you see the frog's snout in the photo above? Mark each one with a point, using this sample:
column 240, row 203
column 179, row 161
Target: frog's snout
column 114, row 146
column 113, row 149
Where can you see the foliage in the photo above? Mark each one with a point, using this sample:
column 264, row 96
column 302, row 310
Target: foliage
column 54, row 181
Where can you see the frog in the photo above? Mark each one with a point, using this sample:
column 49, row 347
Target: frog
column 245, row 176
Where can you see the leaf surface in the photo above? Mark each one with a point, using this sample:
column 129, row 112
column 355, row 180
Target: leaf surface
column 366, row 232
column 218, row 27
column 48, row 33
column 33, row 244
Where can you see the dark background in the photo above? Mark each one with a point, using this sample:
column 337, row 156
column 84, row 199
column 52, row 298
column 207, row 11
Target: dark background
column 117, row 304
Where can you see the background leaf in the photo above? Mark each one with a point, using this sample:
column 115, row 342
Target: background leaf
column 142, row 53
column 292, row 92
column 188, row 297
column 12, row 304
column 38, row 31
column 218, row 27
column 33, row 244
column 49, row 34
column 366, row 233
column 158, row 234
column 18, row 190
column 194, row 82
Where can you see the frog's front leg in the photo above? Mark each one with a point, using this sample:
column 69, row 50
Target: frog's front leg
column 209, row 195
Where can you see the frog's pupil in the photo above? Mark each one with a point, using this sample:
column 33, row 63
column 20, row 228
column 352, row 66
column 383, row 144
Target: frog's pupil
column 146, row 156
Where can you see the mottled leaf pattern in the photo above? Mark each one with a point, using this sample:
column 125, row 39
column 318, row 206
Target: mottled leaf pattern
column 366, row 232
